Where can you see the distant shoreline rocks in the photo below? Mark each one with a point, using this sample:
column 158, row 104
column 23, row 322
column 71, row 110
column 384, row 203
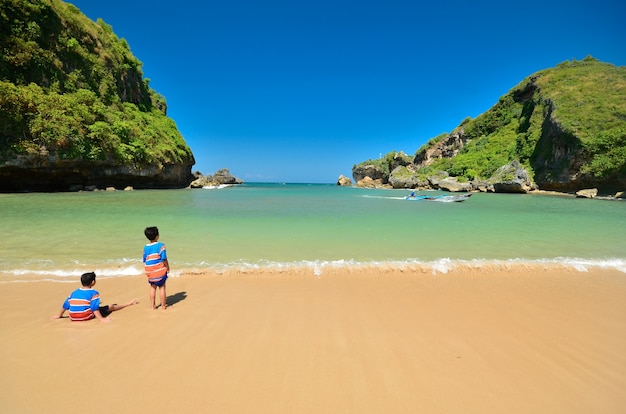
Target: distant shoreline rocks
column 221, row 177
column 510, row 178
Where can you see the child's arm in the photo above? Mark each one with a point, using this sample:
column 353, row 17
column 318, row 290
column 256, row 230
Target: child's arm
column 167, row 265
column 66, row 306
column 58, row 315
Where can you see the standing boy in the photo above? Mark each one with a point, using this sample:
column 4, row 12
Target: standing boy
column 84, row 303
column 157, row 266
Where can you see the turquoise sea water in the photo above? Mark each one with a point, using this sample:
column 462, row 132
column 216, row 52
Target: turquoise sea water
column 57, row 236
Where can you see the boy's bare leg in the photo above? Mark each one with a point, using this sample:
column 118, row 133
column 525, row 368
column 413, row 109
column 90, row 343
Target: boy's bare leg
column 116, row 307
column 152, row 296
column 163, row 297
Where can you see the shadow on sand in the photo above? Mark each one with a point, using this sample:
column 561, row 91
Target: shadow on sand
column 175, row 298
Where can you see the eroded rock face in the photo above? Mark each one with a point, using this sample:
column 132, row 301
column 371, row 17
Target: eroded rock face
column 49, row 175
column 369, row 170
column 559, row 157
column 447, row 148
column 400, row 159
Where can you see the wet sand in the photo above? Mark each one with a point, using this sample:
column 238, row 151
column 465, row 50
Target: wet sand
column 491, row 340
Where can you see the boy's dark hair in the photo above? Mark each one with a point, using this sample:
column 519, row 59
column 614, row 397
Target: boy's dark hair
column 151, row 232
column 87, row 278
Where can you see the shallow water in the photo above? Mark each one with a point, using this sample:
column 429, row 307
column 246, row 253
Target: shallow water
column 55, row 236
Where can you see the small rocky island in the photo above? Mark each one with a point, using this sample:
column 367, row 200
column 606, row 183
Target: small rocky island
column 222, row 177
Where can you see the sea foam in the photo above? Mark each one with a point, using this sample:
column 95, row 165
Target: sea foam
column 316, row 267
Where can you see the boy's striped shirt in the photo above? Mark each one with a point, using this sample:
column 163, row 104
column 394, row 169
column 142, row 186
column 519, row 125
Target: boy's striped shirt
column 153, row 256
column 82, row 303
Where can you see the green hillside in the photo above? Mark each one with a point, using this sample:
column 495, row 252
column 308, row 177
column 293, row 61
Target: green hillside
column 566, row 125
column 70, row 89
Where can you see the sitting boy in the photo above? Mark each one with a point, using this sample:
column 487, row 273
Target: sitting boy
column 84, row 303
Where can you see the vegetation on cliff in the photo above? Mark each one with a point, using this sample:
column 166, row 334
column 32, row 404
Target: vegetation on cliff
column 70, row 89
column 566, row 125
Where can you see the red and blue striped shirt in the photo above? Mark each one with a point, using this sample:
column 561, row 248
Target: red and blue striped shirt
column 82, row 304
column 154, row 255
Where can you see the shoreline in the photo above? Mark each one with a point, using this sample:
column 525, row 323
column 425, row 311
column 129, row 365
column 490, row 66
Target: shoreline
column 516, row 340
column 320, row 268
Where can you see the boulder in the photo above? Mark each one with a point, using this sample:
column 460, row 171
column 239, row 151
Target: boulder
column 512, row 178
column 587, row 193
column 510, row 186
column 201, row 180
column 368, row 182
column 224, row 176
column 435, row 179
column 482, row 186
column 451, row 184
column 404, row 182
column 344, row 181
column 405, row 177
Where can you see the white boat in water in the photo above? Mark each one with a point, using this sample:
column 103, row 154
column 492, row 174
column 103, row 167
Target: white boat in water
column 457, row 198
column 216, row 187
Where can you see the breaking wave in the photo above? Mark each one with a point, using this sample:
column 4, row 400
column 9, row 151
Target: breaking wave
column 130, row 268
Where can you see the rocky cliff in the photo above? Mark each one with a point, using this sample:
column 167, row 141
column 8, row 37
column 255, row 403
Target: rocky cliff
column 75, row 110
column 560, row 129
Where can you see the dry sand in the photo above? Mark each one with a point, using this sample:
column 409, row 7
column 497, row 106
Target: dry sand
column 507, row 340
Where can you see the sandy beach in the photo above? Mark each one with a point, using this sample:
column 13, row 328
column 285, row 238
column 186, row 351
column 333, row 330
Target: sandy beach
column 489, row 340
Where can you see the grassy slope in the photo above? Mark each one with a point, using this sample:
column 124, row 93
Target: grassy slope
column 71, row 87
column 578, row 108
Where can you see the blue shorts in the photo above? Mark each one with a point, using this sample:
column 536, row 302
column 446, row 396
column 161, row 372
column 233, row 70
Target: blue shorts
column 160, row 282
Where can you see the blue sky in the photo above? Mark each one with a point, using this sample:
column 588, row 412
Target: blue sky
column 300, row 91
